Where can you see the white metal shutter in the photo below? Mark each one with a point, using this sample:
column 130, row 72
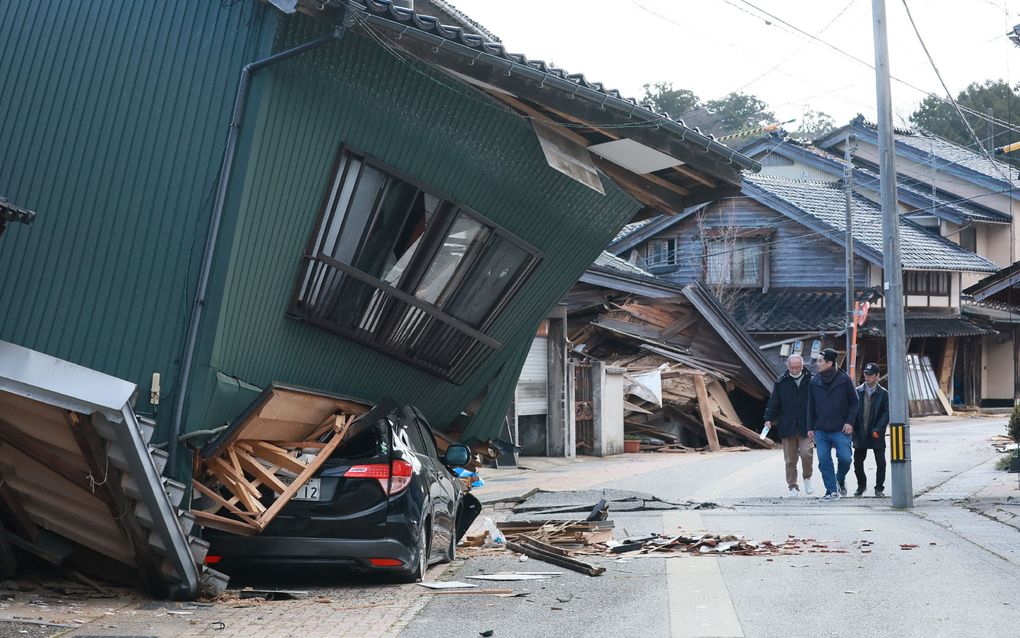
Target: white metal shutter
column 533, row 386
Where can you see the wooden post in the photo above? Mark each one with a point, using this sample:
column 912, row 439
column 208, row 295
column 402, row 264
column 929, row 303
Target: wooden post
column 706, row 412
column 946, row 366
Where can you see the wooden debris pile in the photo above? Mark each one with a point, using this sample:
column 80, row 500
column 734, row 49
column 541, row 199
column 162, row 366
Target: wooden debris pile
column 261, row 462
column 680, row 375
column 556, row 542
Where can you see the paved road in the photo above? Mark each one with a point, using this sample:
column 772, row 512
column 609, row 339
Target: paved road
column 961, row 580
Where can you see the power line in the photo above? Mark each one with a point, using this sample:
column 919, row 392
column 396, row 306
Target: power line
column 847, row 54
column 949, row 94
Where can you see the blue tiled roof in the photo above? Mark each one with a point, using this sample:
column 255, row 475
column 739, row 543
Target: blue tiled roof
column 823, row 204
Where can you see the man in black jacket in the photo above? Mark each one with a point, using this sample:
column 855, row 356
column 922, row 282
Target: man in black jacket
column 832, row 409
column 869, row 429
column 788, row 408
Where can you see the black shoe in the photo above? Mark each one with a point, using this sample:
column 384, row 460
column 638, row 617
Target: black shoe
column 842, row 489
column 879, row 492
column 859, row 493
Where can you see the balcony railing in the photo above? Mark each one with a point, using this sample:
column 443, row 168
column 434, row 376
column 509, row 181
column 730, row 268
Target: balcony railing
column 344, row 300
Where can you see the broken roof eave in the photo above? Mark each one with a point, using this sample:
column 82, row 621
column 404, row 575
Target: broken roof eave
column 995, row 283
column 517, row 75
column 742, row 346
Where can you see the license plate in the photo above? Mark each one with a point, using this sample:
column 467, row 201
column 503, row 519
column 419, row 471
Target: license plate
column 310, row 491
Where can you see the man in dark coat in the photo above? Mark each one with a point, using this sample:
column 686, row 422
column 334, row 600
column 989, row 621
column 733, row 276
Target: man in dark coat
column 832, row 410
column 788, row 408
column 869, row 429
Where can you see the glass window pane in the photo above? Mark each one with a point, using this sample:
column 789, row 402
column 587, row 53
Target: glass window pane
column 487, row 283
column 462, row 234
column 717, row 263
column 358, row 212
column 399, row 224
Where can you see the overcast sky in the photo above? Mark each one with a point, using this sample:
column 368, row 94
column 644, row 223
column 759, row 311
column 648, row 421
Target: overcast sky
column 714, row 47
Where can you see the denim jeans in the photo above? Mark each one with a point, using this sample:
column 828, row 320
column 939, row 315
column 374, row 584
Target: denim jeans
column 824, row 443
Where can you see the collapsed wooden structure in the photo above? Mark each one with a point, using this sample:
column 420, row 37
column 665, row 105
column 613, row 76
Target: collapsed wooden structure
column 81, row 487
column 707, row 377
column 252, row 469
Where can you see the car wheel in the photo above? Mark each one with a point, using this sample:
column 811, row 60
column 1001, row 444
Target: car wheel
column 421, row 558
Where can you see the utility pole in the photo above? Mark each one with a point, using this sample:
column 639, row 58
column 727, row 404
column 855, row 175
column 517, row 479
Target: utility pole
column 848, row 185
column 895, row 335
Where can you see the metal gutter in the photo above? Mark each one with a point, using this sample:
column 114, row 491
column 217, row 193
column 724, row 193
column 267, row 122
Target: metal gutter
column 229, row 154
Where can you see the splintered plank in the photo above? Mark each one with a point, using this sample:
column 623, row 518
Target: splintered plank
column 273, row 454
column 259, row 471
column 240, row 488
column 302, row 478
column 706, row 413
column 224, row 524
column 749, row 436
column 217, row 498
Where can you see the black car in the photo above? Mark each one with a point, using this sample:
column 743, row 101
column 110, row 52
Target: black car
column 385, row 501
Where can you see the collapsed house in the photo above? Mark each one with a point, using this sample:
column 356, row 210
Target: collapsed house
column 644, row 359
column 317, row 234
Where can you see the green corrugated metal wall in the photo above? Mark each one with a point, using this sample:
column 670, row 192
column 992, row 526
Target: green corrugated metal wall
column 113, row 116
column 428, row 126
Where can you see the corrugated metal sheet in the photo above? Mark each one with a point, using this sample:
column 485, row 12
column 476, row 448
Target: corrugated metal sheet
column 112, row 122
column 798, row 257
column 532, row 394
column 427, row 126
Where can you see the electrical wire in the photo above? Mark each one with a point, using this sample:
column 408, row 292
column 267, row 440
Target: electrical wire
column 949, row 94
column 789, row 27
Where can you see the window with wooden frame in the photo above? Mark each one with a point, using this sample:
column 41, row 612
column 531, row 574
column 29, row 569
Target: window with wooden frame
column 735, row 261
column 662, row 252
column 406, row 271
column 926, row 282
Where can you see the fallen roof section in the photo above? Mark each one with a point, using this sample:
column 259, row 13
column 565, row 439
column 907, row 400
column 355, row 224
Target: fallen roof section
column 75, row 464
column 733, row 334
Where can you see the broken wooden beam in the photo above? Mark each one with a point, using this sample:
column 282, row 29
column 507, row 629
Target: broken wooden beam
column 546, row 553
column 706, row 413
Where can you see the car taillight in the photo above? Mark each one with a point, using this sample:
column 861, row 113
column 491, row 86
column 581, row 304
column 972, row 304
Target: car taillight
column 385, row 562
column 212, row 560
column 393, row 478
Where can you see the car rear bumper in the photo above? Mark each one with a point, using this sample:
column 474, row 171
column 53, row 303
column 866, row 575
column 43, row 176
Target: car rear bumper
column 341, row 552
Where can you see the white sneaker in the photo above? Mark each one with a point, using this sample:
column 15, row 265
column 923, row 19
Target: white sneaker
column 793, row 493
column 807, row 487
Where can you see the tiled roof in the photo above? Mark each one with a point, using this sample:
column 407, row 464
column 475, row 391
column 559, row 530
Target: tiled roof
column 921, row 324
column 791, row 310
column 868, row 179
column 612, row 262
column 951, row 153
column 946, row 154
column 632, row 228
column 461, row 18
column 823, row 204
column 403, row 20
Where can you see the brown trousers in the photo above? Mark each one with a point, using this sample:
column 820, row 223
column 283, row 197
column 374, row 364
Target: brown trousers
column 795, row 447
